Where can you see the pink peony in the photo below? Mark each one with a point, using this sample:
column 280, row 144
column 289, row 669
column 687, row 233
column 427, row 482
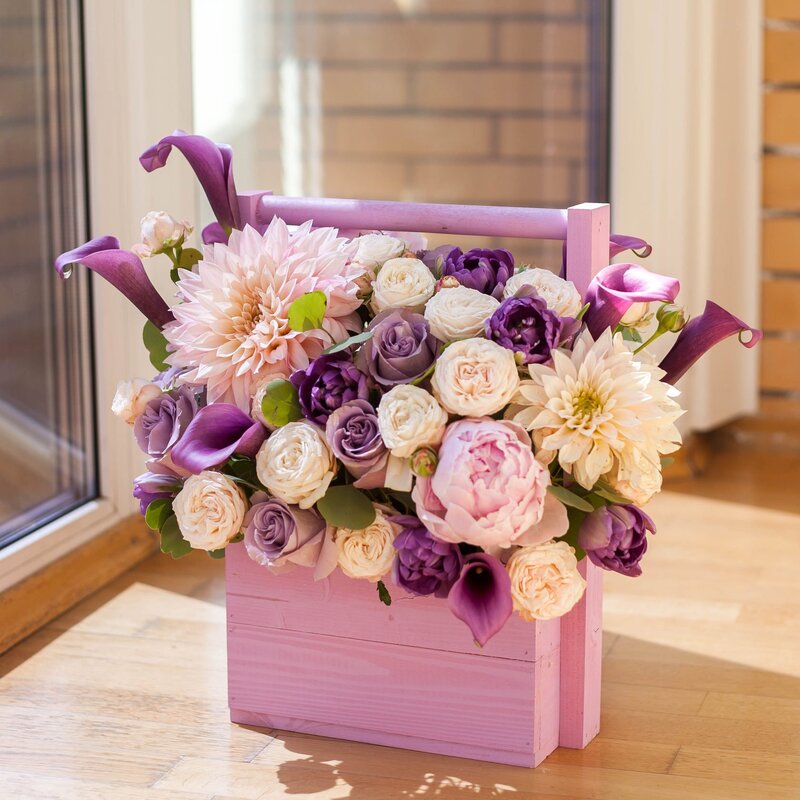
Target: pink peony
column 232, row 327
column 488, row 489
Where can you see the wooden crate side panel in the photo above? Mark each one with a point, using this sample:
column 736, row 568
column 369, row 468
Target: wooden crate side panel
column 393, row 694
column 341, row 606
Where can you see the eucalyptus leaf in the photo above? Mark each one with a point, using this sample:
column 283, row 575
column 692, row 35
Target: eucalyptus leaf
column 172, row 540
column 576, row 519
column 570, row 499
column 280, row 404
column 189, row 257
column 357, row 338
column 157, row 513
column 631, row 335
column 346, row 507
column 156, row 346
column 611, row 495
column 307, row 312
column 217, row 553
column 383, row 594
column 402, row 498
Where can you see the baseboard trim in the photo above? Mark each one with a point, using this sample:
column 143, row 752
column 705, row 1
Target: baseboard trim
column 41, row 597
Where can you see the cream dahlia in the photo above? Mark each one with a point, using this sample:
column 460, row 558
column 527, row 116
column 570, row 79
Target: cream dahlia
column 232, row 326
column 598, row 407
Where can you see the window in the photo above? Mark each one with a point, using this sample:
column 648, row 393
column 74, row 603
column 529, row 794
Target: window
column 468, row 101
column 47, row 463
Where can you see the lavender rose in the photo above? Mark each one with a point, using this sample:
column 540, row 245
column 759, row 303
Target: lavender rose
column 164, row 420
column 615, row 538
column 327, row 383
column 423, row 565
column 401, row 350
column 354, row 437
column 482, row 269
column 159, row 481
column 280, row 536
column 527, row 326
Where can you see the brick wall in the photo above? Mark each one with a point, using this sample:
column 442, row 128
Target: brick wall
column 780, row 351
column 474, row 101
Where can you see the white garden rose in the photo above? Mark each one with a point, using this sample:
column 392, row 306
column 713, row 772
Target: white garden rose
column 560, row 295
column 132, row 397
column 459, row 312
column 475, row 378
column 209, row 510
column 636, row 477
column 545, row 581
column 367, row 553
column 296, row 464
column 402, row 283
column 410, row 418
column 160, row 230
column 637, row 316
column 377, row 248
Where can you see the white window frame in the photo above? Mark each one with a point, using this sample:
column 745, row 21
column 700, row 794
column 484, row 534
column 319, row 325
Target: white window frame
column 138, row 88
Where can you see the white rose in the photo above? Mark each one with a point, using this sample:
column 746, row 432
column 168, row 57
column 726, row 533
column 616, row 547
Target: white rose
column 637, row 477
column 160, row 230
column 408, row 418
column 637, row 316
column 475, row 378
column 560, row 295
column 209, row 510
column 459, row 312
column 545, row 581
column 377, row 248
column 132, row 397
column 367, row 553
column 296, row 464
column 402, row 283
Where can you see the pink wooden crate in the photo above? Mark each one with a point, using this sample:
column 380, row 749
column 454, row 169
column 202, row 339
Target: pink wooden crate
column 328, row 658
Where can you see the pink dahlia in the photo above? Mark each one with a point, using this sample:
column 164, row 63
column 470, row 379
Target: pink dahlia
column 232, row 327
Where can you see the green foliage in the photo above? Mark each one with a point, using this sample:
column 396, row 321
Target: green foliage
column 346, row 507
column 217, row 553
column 357, row 338
column 576, row 519
column 307, row 312
column 609, row 494
column 403, row 499
column 666, row 461
column 189, row 257
column 156, row 346
column 383, row 594
column 280, row 404
column 172, row 540
column 631, row 335
column 243, row 469
column 570, row 499
column 157, row 513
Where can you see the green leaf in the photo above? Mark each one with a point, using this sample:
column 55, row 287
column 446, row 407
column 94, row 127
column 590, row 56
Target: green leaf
column 576, row 519
column 383, row 594
column 280, row 404
column 402, row 498
column 217, row 553
column 157, row 513
column 357, row 338
column 346, row 507
column 156, row 346
column 610, row 495
column 307, row 312
column 582, row 312
column 666, row 461
column 189, row 257
column 570, row 499
column 631, row 335
column 172, row 541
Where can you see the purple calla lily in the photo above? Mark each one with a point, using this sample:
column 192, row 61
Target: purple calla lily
column 481, row 597
column 617, row 287
column 211, row 163
column 214, row 233
column 700, row 335
column 619, row 243
column 214, row 435
column 123, row 270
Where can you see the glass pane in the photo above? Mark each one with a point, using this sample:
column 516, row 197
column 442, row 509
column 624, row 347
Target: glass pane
column 500, row 102
column 46, row 431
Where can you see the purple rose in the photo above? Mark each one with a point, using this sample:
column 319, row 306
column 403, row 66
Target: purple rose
column 481, row 269
column 423, row 565
column 327, row 383
column 615, row 538
column 164, row 420
column 280, row 536
column 354, row 437
column 159, row 481
column 527, row 326
column 401, row 349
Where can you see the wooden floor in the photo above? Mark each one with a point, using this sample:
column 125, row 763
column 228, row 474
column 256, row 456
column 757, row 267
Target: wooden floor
column 123, row 698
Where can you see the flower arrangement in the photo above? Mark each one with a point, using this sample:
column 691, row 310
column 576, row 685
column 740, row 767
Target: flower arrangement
column 434, row 421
